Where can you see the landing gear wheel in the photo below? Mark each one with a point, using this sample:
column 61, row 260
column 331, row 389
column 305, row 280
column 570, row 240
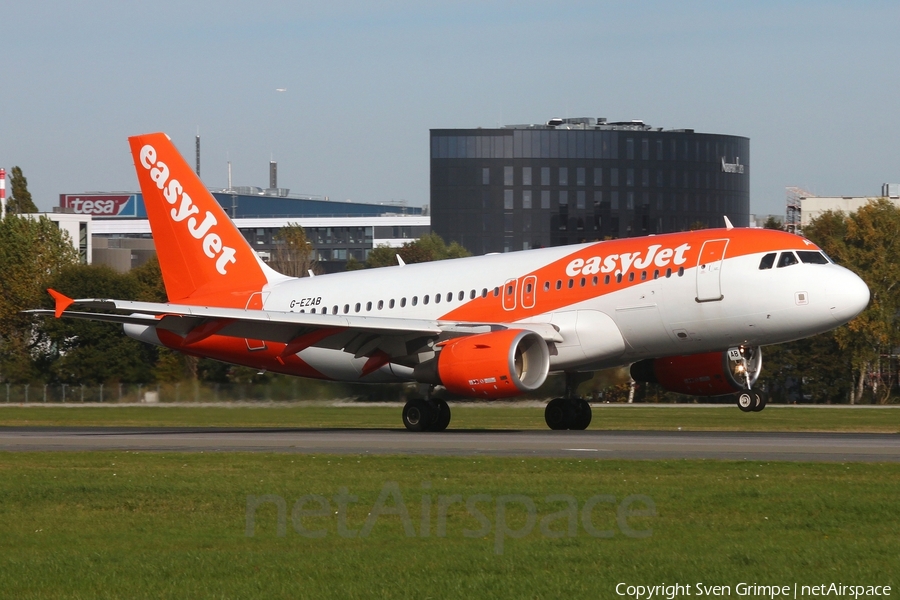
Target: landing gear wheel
column 761, row 400
column 747, row 400
column 559, row 414
column 582, row 415
column 441, row 415
column 418, row 415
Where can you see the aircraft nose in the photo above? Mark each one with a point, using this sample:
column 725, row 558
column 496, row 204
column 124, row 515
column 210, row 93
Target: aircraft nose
column 848, row 295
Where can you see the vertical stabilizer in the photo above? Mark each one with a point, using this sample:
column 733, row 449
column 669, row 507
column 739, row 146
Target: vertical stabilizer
column 203, row 257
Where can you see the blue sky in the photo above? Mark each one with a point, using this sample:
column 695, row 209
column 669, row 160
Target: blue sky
column 814, row 85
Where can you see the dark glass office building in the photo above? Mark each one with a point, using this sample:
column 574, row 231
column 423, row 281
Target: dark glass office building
column 576, row 180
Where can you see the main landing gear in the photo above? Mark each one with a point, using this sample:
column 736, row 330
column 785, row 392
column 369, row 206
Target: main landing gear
column 752, row 400
column 569, row 412
column 426, row 415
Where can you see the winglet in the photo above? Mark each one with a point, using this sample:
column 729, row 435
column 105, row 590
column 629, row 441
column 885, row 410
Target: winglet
column 728, row 224
column 400, row 261
column 62, row 302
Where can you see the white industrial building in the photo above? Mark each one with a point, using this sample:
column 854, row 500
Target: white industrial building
column 803, row 208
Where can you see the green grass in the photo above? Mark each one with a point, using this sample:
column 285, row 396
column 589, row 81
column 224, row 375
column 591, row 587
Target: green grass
column 688, row 418
column 168, row 525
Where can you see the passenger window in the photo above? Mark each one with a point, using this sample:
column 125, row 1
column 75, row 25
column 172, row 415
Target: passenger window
column 643, row 275
column 595, row 281
column 484, row 292
column 462, row 296
column 668, row 272
column 767, row 261
column 571, row 283
column 528, row 288
column 546, row 286
column 631, row 276
column 656, row 274
column 368, row 306
column 606, row 280
column 472, row 295
column 680, row 271
column 415, row 300
column 583, row 282
column 559, row 284
column 437, row 298
column 391, row 303
column 787, row 259
column 450, row 296
column 356, row 308
column 402, row 302
column 812, row 257
column 425, row 299
column 346, row 308
column 334, row 309
column 496, row 292
column 509, row 290
column 619, row 278
column 380, row 304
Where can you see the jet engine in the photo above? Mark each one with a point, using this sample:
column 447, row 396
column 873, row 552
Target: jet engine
column 489, row 365
column 709, row 374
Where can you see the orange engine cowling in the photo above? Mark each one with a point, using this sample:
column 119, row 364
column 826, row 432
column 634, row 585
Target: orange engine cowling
column 709, row 374
column 494, row 365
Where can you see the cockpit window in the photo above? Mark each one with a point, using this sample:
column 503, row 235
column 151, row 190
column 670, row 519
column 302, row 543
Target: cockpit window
column 768, row 261
column 787, row 259
column 812, row 257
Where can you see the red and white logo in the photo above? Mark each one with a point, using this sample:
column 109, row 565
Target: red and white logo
column 99, row 205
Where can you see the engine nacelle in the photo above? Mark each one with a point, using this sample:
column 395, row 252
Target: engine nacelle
column 709, row 374
column 499, row 364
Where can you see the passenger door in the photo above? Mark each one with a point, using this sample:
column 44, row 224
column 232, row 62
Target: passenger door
column 709, row 270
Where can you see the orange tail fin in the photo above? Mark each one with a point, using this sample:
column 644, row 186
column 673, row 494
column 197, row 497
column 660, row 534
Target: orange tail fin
column 203, row 257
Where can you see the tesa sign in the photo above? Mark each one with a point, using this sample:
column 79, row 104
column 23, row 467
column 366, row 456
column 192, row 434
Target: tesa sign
column 100, row 205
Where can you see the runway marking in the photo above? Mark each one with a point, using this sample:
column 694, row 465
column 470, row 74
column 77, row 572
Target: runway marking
column 586, row 449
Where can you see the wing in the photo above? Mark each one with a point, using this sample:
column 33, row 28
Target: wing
column 389, row 339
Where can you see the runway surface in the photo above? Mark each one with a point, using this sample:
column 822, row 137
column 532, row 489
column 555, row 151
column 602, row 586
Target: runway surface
column 824, row 447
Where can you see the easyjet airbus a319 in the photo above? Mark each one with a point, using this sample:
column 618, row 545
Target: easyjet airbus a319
column 686, row 310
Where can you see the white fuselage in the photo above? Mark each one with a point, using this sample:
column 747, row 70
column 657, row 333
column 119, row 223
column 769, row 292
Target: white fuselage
column 696, row 308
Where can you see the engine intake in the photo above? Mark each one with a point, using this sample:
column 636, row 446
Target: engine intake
column 499, row 364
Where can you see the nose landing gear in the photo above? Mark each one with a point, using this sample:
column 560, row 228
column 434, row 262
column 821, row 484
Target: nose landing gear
column 751, row 400
column 744, row 360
